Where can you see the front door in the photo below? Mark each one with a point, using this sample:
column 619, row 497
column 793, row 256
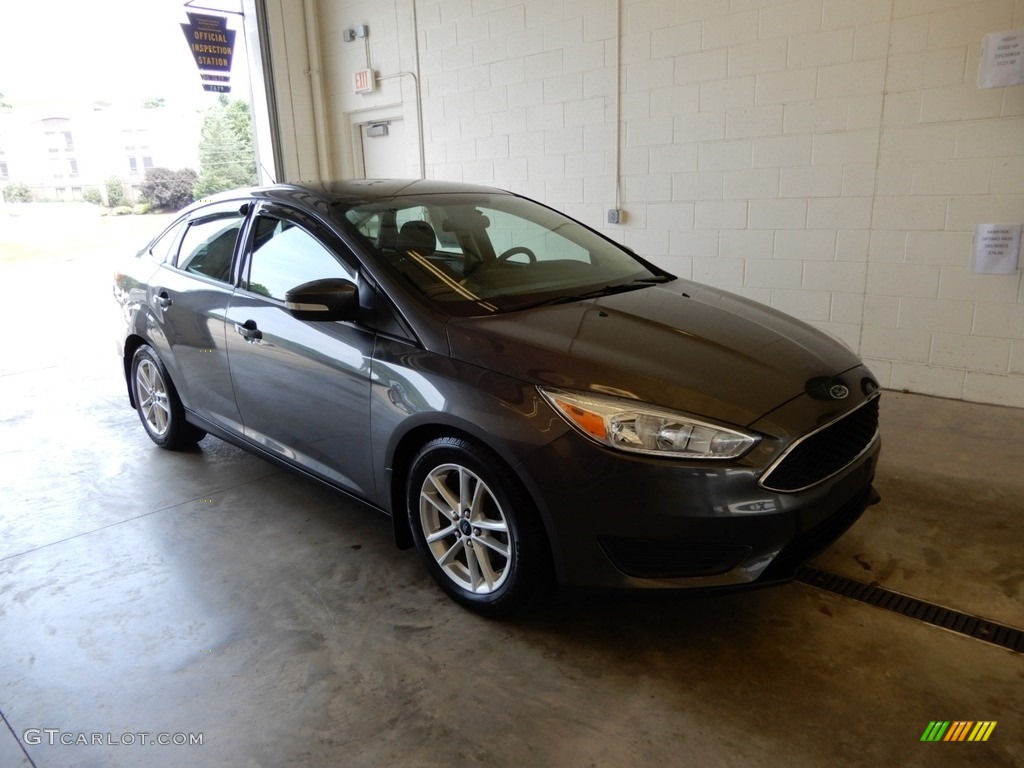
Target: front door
column 302, row 387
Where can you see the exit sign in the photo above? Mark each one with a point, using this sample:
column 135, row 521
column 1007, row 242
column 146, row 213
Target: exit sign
column 364, row 80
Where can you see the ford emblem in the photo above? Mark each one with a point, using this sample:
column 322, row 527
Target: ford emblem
column 838, row 392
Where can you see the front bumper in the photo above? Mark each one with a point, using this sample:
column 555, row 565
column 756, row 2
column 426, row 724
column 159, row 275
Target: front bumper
column 617, row 521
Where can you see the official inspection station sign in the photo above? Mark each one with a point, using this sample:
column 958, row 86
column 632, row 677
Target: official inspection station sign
column 213, row 46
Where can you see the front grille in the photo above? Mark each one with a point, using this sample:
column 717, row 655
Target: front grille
column 826, row 452
column 671, row 559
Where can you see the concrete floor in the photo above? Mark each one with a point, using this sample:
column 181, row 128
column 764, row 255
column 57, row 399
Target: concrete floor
column 211, row 593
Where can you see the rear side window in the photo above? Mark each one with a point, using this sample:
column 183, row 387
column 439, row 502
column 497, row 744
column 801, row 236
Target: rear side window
column 208, row 245
column 163, row 249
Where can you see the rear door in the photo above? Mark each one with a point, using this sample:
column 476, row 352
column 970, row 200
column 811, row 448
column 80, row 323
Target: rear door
column 302, row 387
column 189, row 295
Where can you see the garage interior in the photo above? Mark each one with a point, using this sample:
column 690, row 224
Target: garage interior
column 829, row 158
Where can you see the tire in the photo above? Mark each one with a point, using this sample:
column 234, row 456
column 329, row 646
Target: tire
column 475, row 528
column 158, row 404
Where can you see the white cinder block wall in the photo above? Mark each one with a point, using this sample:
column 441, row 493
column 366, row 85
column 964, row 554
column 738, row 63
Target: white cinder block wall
column 830, row 158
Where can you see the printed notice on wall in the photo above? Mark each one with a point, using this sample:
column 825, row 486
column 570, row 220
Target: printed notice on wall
column 1002, row 59
column 996, row 249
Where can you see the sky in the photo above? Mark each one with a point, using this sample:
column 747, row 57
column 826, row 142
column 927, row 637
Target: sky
column 120, row 51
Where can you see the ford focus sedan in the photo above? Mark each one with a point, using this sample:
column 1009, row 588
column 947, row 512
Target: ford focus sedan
column 530, row 403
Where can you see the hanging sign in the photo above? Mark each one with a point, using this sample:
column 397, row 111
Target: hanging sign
column 213, row 46
column 215, row 83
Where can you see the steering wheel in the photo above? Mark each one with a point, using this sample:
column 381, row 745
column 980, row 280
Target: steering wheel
column 514, row 250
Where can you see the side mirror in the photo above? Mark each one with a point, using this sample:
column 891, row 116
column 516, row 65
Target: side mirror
column 329, row 299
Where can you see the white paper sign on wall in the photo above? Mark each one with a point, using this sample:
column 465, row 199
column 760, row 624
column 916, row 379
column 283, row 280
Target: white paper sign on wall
column 996, row 249
column 1002, row 59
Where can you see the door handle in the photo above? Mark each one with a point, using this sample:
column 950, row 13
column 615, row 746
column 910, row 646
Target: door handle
column 163, row 299
column 249, row 331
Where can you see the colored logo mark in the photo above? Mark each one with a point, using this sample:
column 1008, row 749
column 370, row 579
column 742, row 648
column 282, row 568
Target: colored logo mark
column 958, row 730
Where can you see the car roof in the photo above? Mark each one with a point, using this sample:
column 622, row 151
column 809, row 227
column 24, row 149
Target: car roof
column 377, row 189
column 350, row 191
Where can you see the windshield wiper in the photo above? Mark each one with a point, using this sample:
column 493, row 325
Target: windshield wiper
column 608, row 290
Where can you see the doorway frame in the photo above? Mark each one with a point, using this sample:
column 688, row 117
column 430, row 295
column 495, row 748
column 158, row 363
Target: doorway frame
column 357, row 119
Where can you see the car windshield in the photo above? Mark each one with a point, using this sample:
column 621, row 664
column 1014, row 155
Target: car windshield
column 473, row 254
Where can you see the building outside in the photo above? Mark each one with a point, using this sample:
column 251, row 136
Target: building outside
column 61, row 151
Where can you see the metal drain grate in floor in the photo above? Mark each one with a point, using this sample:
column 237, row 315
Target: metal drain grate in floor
column 929, row 613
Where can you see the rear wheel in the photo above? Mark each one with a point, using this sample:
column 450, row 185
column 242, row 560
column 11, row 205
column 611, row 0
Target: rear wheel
column 475, row 527
column 158, row 404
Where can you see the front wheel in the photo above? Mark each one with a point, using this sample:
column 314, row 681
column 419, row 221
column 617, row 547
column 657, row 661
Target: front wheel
column 158, row 404
column 475, row 527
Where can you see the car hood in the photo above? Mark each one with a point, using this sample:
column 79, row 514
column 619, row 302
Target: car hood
column 680, row 345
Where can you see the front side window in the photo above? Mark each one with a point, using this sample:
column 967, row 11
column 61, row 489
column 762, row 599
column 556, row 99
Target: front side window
column 285, row 256
column 208, row 245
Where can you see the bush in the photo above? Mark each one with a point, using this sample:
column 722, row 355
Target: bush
column 92, row 195
column 17, row 192
column 121, row 210
column 165, row 188
column 115, row 193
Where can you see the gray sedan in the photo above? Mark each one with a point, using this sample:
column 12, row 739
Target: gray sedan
column 530, row 403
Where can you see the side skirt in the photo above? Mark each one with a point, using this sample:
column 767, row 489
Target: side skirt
column 245, row 445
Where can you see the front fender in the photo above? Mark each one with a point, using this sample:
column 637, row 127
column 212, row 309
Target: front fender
column 418, row 395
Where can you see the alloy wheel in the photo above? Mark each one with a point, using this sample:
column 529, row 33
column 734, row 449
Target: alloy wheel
column 465, row 529
column 151, row 391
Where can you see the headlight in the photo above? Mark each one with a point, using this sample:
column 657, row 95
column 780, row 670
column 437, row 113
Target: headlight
column 641, row 428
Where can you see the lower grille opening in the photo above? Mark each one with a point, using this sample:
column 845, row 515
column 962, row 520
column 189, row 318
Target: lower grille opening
column 671, row 559
column 811, row 543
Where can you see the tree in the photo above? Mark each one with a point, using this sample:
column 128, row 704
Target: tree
column 153, row 103
column 227, row 159
column 17, row 192
column 115, row 193
column 3, row 102
column 165, row 188
column 240, row 119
